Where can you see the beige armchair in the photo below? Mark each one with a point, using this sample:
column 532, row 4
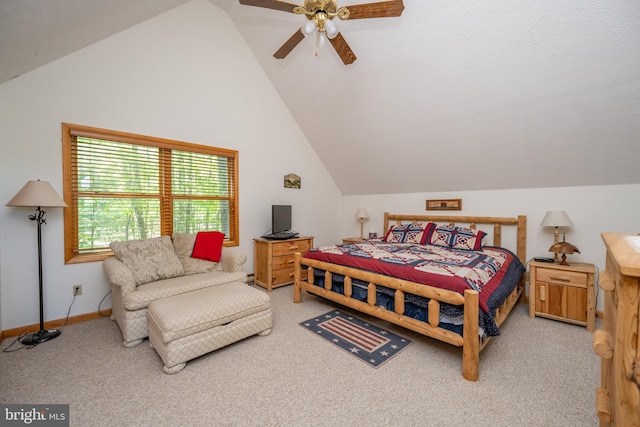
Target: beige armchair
column 146, row 270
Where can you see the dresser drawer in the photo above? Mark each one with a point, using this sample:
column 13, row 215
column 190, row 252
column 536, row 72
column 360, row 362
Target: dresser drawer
column 566, row 278
column 282, row 276
column 291, row 247
column 285, row 261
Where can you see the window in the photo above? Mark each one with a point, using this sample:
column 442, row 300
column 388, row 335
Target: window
column 121, row 186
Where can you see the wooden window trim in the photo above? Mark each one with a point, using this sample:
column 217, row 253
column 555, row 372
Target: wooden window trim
column 70, row 226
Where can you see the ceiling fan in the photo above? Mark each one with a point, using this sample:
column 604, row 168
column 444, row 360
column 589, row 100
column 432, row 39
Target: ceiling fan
column 320, row 14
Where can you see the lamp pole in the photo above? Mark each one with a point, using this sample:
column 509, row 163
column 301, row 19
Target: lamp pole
column 42, row 335
column 38, row 217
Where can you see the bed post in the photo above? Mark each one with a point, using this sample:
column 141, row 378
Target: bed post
column 297, row 293
column 385, row 226
column 522, row 239
column 471, row 336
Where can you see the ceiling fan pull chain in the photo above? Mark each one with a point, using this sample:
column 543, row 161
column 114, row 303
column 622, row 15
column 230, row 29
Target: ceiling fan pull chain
column 319, row 41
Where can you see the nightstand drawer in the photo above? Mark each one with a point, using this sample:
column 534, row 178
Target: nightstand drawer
column 291, row 247
column 566, row 278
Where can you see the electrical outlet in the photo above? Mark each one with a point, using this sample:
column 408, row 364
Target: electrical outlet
column 77, row 290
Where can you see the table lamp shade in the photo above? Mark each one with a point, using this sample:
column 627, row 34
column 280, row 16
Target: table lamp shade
column 556, row 219
column 362, row 213
column 37, row 194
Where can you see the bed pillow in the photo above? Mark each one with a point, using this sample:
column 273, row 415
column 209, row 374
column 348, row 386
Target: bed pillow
column 208, row 246
column 149, row 259
column 415, row 232
column 457, row 237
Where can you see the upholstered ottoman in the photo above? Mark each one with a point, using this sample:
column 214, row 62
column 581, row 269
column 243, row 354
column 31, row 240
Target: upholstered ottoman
column 186, row 326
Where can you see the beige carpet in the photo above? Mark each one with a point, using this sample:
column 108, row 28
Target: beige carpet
column 537, row 373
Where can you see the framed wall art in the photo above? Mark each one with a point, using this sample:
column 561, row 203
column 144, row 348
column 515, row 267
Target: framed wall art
column 444, row 205
column 292, row 181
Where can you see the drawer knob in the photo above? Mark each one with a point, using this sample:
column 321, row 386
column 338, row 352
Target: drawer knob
column 561, row 278
column 293, row 247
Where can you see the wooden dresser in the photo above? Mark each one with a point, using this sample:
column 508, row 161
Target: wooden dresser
column 618, row 398
column 273, row 260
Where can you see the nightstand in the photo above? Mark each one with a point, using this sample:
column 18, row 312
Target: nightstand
column 352, row 240
column 563, row 292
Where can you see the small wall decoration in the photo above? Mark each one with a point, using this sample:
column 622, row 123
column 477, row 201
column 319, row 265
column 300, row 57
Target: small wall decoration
column 444, row 205
column 291, row 181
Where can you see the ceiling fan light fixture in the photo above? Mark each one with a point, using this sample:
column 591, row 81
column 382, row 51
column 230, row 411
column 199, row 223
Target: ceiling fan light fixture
column 331, row 29
column 310, row 28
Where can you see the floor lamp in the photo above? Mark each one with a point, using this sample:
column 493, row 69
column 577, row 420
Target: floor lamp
column 38, row 194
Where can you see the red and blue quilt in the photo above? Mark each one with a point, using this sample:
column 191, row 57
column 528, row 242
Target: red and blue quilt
column 437, row 266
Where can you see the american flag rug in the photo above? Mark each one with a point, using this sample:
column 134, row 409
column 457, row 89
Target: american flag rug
column 361, row 339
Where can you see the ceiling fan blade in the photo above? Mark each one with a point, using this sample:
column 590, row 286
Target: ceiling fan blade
column 270, row 4
column 344, row 51
column 383, row 9
column 289, row 45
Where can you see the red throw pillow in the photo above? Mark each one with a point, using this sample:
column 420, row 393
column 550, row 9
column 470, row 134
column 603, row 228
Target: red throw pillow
column 208, row 246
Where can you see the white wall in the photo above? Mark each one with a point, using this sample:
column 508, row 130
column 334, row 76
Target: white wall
column 186, row 75
column 592, row 209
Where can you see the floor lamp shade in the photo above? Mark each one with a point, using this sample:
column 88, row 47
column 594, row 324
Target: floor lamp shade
column 38, row 194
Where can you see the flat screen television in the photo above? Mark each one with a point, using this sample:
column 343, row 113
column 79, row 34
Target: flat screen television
column 280, row 218
column 280, row 223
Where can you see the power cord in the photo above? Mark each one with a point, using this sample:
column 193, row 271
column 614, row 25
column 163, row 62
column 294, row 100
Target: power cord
column 30, row 346
column 100, row 305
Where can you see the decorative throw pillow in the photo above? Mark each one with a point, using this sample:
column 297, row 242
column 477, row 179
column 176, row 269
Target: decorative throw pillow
column 208, row 245
column 409, row 233
column 149, row 259
column 183, row 244
column 457, row 237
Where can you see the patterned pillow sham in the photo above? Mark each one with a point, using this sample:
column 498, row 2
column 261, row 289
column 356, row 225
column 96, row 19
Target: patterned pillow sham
column 457, row 237
column 416, row 232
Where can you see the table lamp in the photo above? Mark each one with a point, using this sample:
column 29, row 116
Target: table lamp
column 556, row 219
column 362, row 214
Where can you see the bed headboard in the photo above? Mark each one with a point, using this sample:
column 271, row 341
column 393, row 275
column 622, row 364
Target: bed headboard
column 471, row 221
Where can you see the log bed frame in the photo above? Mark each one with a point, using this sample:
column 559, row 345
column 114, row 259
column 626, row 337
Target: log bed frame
column 470, row 342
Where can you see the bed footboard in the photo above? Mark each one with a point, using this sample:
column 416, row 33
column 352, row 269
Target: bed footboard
column 470, row 343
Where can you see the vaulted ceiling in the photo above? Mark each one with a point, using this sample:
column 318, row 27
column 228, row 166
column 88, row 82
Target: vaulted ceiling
column 452, row 95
